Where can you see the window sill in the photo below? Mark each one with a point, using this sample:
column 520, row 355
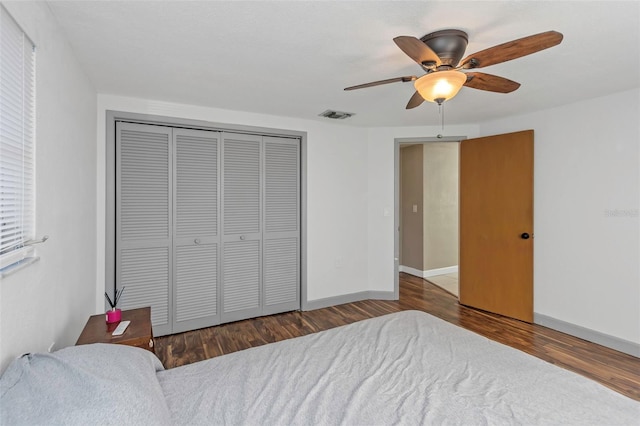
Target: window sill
column 14, row 267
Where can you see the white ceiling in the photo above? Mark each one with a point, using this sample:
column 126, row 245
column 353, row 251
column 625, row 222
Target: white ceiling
column 294, row 58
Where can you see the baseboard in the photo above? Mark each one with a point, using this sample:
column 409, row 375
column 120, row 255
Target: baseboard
column 346, row 298
column 411, row 271
column 612, row 342
column 440, row 271
column 381, row 295
column 428, row 273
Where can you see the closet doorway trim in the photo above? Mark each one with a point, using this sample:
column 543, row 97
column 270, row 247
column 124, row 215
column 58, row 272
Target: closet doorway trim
column 110, row 203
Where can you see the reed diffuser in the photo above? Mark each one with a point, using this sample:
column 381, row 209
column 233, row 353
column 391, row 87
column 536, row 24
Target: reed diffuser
column 115, row 314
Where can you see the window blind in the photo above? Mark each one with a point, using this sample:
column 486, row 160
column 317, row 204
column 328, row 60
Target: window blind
column 17, row 132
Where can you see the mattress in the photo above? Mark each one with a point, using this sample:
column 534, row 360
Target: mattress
column 403, row 368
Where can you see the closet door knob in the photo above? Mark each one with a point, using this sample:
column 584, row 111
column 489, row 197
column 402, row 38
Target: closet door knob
column 197, row 241
column 524, row 236
column 242, row 237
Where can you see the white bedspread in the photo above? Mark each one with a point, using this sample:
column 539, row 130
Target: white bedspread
column 405, row 368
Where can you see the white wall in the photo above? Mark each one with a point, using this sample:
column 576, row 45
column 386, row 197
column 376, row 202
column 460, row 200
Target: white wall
column 587, row 195
column 440, row 206
column 51, row 300
column 336, row 188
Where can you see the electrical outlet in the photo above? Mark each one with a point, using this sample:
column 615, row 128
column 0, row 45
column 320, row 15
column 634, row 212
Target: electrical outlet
column 51, row 346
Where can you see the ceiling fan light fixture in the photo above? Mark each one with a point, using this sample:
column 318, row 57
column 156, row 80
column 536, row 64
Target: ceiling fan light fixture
column 440, row 86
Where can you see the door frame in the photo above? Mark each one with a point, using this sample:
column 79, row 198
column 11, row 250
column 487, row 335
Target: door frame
column 396, row 198
column 110, row 183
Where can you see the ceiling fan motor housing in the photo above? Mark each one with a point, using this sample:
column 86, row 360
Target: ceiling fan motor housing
column 449, row 45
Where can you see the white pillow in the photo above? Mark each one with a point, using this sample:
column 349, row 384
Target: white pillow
column 88, row 384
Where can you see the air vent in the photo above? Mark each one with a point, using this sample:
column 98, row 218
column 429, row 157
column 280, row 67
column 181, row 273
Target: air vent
column 336, row 115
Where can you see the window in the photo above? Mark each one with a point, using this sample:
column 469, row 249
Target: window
column 17, row 131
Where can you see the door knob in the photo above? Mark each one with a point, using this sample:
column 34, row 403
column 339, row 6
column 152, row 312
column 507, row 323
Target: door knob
column 242, row 237
column 197, row 241
column 525, row 236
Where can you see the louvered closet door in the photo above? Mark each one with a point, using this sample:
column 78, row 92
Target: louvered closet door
column 281, row 236
column 197, row 241
column 241, row 224
column 143, row 220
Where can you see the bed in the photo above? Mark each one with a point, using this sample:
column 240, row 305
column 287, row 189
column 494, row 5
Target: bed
column 403, row 368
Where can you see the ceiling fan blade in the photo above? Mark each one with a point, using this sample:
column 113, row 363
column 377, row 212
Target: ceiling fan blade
column 380, row 82
column 512, row 50
column 491, row 83
column 417, row 50
column 416, row 100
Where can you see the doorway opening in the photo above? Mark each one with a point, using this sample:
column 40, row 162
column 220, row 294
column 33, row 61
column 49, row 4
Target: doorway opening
column 426, row 209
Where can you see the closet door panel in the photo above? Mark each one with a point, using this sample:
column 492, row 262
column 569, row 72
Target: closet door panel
column 144, row 185
column 196, row 185
column 242, row 216
column 282, row 185
column 241, row 279
column 143, row 220
column 196, row 189
column 196, row 287
column 281, row 240
column 145, row 273
column 281, row 280
column 241, row 184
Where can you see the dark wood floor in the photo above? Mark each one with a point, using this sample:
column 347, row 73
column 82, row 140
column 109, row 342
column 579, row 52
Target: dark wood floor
column 616, row 370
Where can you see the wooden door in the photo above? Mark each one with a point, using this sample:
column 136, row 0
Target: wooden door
column 496, row 224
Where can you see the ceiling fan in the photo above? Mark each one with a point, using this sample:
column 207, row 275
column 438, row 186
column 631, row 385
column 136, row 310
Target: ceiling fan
column 439, row 55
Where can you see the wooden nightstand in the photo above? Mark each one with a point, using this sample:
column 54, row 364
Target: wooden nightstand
column 138, row 333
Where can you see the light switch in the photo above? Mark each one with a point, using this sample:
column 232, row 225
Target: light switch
column 415, row 208
column 386, row 213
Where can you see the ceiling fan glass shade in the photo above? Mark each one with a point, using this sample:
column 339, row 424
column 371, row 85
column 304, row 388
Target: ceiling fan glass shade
column 440, row 86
